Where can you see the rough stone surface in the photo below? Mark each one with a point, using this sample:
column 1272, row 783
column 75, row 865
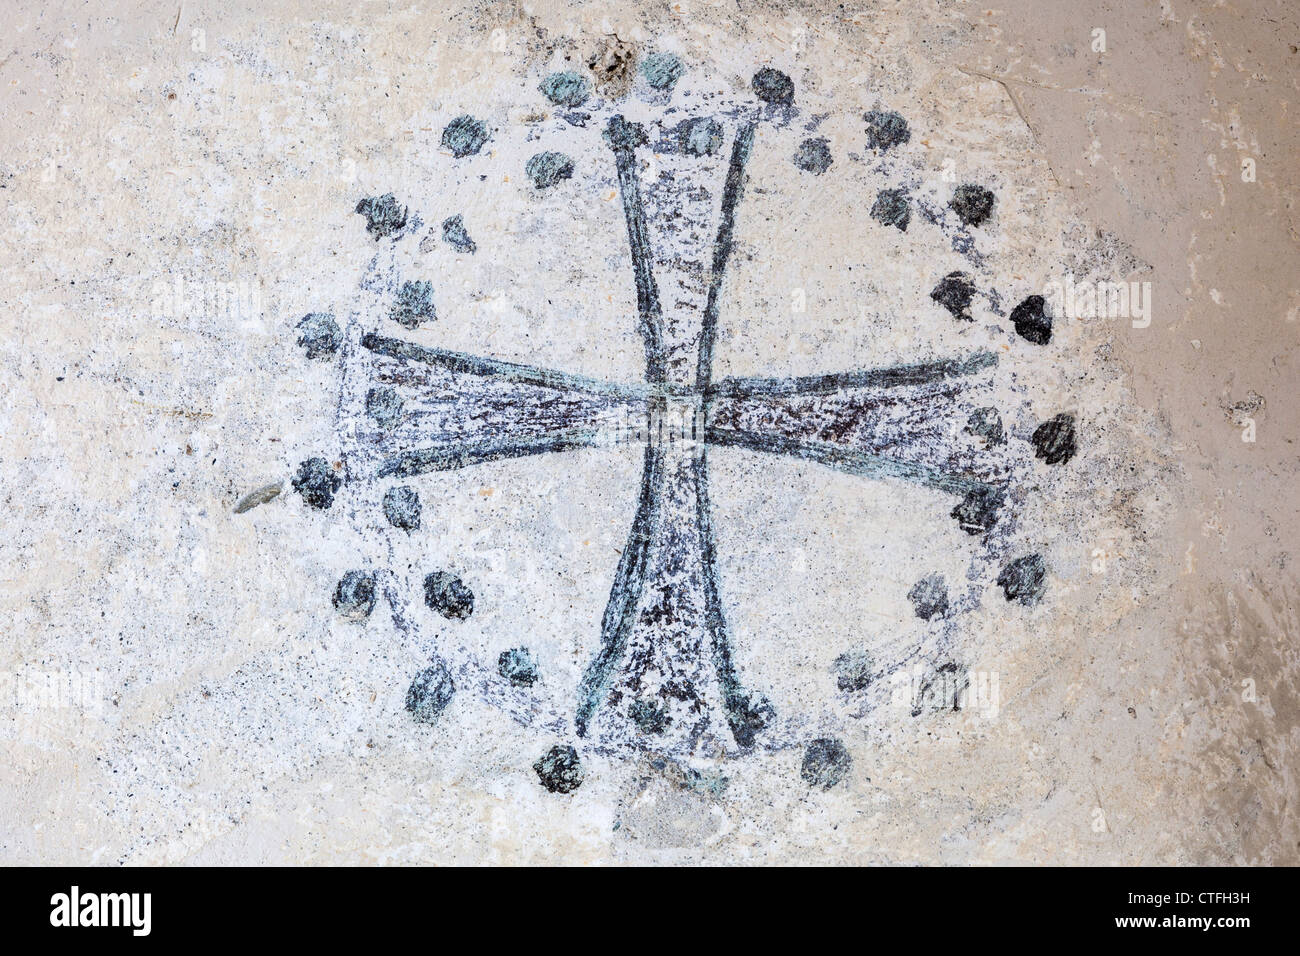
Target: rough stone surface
column 258, row 496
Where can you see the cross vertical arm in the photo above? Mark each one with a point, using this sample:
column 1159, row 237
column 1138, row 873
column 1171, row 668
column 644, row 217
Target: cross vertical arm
column 746, row 713
column 625, row 595
column 623, row 138
column 665, row 663
column 731, row 196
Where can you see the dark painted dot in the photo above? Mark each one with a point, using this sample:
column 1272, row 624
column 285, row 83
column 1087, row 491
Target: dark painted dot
column 929, row 597
column 402, row 507
column 662, row 70
column 1053, row 440
column 354, row 597
column 891, row 208
column 414, row 304
column 814, row 156
column 566, row 89
column 1023, row 579
column 886, row 129
column 825, row 763
column 699, row 137
column 986, row 423
column 384, row 406
column 317, row 482
column 650, row 716
column 1031, row 320
column 954, row 292
column 517, row 666
column 547, row 169
column 454, row 234
column 747, row 714
column 620, row 134
column 854, row 670
column 560, row 770
column 448, row 595
column 384, row 217
column 773, row 86
column 430, row 693
column 464, row 136
column 319, row 335
column 978, row 511
column 973, row 204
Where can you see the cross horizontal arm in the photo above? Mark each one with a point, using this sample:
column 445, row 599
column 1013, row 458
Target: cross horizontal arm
column 462, row 454
column 851, row 460
column 894, row 376
column 906, row 422
column 426, row 409
column 466, row 364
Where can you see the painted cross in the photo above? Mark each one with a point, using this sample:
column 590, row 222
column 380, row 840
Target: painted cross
column 665, row 676
column 665, row 670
